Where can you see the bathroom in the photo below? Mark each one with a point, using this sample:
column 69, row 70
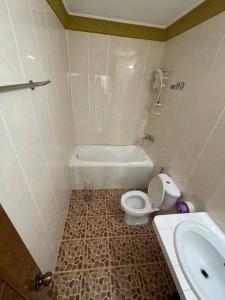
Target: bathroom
column 112, row 149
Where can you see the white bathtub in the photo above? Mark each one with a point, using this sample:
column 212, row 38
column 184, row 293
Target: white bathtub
column 110, row 167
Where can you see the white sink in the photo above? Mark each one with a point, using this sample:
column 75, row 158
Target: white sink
column 201, row 254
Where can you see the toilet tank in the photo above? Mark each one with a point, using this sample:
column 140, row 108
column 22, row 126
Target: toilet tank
column 171, row 192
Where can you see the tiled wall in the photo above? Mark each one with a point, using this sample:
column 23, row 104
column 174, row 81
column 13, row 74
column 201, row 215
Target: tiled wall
column 36, row 129
column 190, row 131
column 110, row 84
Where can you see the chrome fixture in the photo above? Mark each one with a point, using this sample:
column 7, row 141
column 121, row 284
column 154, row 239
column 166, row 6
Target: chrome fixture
column 43, row 280
column 31, row 85
column 148, row 137
column 162, row 170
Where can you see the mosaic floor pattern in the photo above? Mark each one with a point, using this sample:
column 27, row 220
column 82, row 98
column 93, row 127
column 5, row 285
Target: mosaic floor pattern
column 102, row 258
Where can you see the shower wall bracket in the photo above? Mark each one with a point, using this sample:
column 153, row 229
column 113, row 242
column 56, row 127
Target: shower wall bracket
column 31, row 85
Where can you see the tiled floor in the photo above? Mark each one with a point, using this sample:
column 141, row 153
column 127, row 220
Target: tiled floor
column 103, row 258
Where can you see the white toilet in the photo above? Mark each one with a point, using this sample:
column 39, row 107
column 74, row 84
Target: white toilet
column 162, row 194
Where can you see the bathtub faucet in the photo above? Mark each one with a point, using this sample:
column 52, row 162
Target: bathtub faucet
column 148, row 137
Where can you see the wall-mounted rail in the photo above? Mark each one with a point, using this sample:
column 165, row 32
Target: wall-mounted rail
column 30, row 85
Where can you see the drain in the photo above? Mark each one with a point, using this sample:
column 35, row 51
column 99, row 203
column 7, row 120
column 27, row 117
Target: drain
column 87, row 199
column 204, row 273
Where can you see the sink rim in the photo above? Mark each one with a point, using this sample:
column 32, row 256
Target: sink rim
column 216, row 240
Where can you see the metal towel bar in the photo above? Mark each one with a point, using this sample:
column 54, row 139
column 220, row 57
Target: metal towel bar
column 32, row 85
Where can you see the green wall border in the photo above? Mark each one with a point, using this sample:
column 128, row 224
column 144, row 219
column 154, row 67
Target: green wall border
column 201, row 13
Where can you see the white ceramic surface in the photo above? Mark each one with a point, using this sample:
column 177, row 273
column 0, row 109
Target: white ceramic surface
column 189, row 131
column 36, row 127
column 110, row 167
column 165, row 226
column 201, row 254
column 111, row 85
column 138, row 205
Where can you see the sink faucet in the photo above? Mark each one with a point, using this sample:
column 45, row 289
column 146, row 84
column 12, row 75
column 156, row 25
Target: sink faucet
column 148, row 137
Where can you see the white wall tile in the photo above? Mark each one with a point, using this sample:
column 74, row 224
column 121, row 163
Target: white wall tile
column 37, row 135
column 10, row 71
column 189, row 133
column 206, row 114
column 110, row 80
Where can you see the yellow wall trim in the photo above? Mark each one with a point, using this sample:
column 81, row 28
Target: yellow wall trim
column 59, row 9
column 115, row 28
column 203, row 12
column 206, row 10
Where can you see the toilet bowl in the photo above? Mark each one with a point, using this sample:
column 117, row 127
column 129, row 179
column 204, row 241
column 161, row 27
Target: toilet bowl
column 162, row 194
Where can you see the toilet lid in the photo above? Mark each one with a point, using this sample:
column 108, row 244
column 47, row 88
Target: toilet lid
column 156, row 191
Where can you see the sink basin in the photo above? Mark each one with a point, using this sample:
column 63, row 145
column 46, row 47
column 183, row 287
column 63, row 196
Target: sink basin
column 201, row 254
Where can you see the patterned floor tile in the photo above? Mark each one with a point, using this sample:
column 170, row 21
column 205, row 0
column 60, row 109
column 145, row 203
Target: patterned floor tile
column 158, row 249
column 125, row 283
column 120, row 251
column 96, row 284
column 104, row 258
column 115, row 194
column 141, row 229
column 168, row 276
column 68, row 285
column 77, row 208
column 78, row 194
column 74, row 228
column 96, row 253
column 96, row 227
column 152, row 282
column 96, row 208
column 113, row 207
column 70, row 256
column 144, row 249
column 99, row 194
column 117, row 226
column 156, row 243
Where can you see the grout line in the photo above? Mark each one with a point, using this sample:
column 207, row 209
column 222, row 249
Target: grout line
column 203, row 148
column 124, row 88
column 54, row 78
column 167, row 95
column 89, row 93
column 196, row 104
column 134, row 265
column 109, row 237
column 25, row 178
column 107, row 96
column 109, row 267
column 140, row 109
column 69, row 81
column 34, row 113
column 179, row 101
column 53, row 84
column 29, row 187
column 84, row 245
column 220, row 187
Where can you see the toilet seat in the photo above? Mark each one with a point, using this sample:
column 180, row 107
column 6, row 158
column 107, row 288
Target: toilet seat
column 141, row 196
column 162, row 194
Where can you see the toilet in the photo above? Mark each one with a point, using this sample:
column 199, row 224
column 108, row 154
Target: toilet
column 162, row 194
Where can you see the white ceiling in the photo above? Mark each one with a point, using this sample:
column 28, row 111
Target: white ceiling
column 158, row 13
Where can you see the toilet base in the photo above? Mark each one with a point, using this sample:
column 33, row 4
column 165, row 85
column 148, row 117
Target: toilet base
column 132, row 220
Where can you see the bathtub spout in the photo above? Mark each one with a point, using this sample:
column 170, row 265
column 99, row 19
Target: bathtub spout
column 148, row 137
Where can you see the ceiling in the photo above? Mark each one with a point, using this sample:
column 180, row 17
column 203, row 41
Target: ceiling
column 157, row 13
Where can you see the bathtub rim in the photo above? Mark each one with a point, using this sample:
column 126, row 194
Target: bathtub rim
column 74, row 162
